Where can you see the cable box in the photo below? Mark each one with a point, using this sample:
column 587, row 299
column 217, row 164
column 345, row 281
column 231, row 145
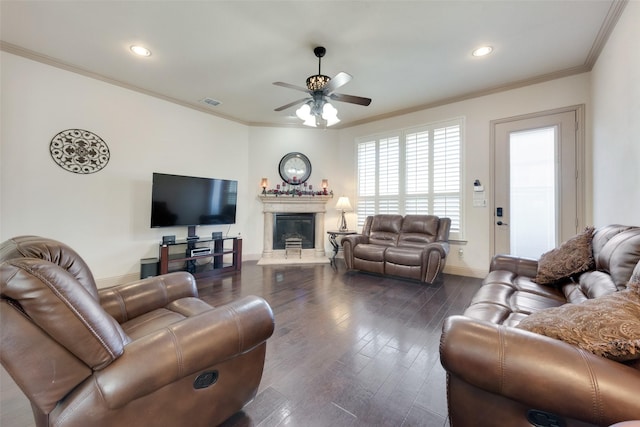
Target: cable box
column 200, row 251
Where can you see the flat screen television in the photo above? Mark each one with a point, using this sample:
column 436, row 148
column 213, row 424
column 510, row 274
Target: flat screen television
column 178, row 200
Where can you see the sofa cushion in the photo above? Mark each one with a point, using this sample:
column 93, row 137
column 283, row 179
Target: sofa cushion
column 385, row 230
column 418, row 230
column 608, row 326
column 369, row 252
column 620, row 255
column 404, row 256
column 591, row 284
column 573, row 257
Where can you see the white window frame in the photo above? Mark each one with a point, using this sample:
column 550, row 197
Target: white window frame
column 376, row 203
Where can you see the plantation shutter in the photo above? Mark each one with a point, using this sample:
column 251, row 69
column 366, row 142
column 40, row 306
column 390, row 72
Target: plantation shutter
column 366, row 206
column 417, row 171
column 446, row 174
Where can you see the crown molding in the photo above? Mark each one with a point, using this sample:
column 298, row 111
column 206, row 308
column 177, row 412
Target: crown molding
column 44, row 59
column 610, row 21
column 608, row 25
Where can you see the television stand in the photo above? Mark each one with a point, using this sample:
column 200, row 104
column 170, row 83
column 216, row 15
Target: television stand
column 191, row 233
column 224, row 255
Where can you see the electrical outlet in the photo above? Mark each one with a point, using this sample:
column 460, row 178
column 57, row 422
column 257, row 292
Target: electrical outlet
column 461, row 253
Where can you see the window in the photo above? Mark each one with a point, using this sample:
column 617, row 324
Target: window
column 412, row 171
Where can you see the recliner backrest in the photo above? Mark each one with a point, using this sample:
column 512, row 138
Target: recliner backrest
column 385, row 229
column 616, row 250
column 53, row 251
column 46, row 310
column 418, row 230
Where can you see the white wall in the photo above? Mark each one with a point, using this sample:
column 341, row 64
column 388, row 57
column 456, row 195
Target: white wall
column 616, row 124
column 105, row 215
column 267, row 145
column 478, row 113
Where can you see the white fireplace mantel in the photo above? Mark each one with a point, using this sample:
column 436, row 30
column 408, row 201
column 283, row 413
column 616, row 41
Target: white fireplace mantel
column 294, row 204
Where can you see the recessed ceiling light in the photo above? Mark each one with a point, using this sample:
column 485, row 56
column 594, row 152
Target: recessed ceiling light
column 140, row 50
column 482, row 51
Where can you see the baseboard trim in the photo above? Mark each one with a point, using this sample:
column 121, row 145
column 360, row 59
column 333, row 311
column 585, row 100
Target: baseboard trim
column 465, row 271
column 107, row 282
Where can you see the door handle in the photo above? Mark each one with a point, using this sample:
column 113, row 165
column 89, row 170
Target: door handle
column 501, row 223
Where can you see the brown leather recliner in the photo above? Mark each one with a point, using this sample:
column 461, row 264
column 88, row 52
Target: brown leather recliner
column 144, row 353
column 413, row 246
column 501, row 375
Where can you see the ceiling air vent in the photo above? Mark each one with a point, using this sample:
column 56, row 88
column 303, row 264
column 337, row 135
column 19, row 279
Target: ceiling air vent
column 211, row 101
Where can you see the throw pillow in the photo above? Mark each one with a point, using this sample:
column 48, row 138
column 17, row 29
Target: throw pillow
column 573, row 257
column 608, row 326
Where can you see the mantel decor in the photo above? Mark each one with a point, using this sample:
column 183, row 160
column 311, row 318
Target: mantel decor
column 79, row 151
column 293, row 190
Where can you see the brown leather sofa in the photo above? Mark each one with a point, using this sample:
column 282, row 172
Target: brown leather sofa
column 413, row 246
column 501, row 375
column 144, row 353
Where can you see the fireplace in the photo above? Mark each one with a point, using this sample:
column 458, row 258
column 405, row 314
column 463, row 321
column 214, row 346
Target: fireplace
column 296, row 225
column 299, row 215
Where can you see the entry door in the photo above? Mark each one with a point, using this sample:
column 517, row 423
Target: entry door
column 535, row 203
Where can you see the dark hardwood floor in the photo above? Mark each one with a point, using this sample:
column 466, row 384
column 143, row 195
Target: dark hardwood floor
column 349, row 349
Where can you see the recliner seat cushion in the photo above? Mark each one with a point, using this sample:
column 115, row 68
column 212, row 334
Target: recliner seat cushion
column 404, row 256
column 370, row 252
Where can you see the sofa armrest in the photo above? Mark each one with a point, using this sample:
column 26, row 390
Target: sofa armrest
column 435, row 258
column 441, row 248
column 354, row 239
column 349, row 243
column 130, row 300
column 185, row 348
column 518, row 265
column 539, row 372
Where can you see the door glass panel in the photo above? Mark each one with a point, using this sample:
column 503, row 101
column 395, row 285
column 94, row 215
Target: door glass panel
column 532, row 191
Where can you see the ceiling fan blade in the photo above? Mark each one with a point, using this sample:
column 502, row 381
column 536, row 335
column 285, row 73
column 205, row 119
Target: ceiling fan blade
column 350, row 98
column 340, row 79
column 291, row 104
column 290, row 86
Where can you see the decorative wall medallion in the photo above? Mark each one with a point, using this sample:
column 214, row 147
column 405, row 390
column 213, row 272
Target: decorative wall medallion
column 79, row 151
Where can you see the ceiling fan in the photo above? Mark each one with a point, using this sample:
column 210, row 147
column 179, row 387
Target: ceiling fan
column 316, row 109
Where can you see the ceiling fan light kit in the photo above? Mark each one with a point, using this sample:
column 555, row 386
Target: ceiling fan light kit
column 317, row 82
column 316, row 110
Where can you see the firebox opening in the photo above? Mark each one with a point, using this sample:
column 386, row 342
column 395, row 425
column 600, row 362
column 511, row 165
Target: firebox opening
column 300, row 225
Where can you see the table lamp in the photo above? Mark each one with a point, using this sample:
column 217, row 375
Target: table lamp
column 343, row 205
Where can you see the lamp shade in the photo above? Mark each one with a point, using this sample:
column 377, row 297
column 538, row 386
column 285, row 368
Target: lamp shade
column 343, row 204
column 304, row 114
column 330, row 114
column 317, row 112
column 264, row 183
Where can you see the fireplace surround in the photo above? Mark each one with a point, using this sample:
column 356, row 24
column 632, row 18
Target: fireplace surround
column 316, row 205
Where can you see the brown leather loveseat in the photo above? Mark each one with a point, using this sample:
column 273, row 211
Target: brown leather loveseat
column 413, row 246
column 565, row 353
column 147, row 353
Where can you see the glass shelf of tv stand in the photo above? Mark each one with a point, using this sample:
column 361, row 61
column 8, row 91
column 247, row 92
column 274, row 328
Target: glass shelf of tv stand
column 222, row 257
